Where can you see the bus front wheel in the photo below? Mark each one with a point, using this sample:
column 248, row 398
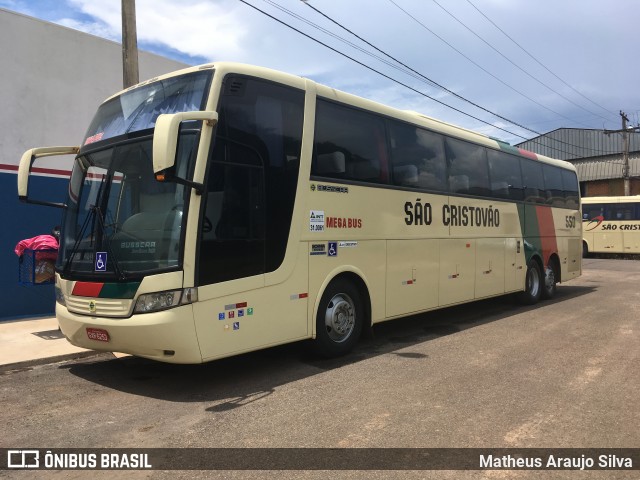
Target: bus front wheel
column 339, row 319
column 533, row 284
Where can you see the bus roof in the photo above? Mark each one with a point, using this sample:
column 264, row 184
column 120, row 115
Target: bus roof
column 413, row 117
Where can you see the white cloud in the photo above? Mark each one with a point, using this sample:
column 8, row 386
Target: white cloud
column 197, row 28
column 591, row 51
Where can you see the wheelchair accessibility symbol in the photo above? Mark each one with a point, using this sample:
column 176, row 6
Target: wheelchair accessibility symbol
column 101, row 262
column 333, row 249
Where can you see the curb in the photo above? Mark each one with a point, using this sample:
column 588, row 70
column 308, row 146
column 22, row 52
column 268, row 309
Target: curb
column 27, row 364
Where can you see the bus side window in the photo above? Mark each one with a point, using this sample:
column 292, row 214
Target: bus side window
column 417, row 157
column 592, row 210
column 571, row 189
column 506, row 177
column 468, row 168
column 554, row 192
column 533, row 181
column 349, row 136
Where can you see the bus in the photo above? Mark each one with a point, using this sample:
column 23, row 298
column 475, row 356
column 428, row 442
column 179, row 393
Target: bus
column 227, row 208
column 611, row 225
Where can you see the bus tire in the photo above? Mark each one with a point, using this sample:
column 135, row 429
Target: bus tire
column 532, row 284
column 585, row 250
column 339, row 319
column 549, row 284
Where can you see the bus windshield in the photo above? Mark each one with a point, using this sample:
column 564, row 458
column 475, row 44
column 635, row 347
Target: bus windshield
column 120, row 222
column 137, row 109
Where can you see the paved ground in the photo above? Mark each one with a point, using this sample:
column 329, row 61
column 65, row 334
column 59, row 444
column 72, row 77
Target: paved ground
column 491, row 374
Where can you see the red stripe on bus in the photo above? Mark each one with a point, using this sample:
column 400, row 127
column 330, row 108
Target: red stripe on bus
column 87, row 289
column 547, row 232
column 528, row 154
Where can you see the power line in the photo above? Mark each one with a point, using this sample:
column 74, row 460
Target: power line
column 516, row 65
column 536, row 60
column 401, row 83
column 377, row 71
column 406, row 71
column 476, row 64
column 431, row 81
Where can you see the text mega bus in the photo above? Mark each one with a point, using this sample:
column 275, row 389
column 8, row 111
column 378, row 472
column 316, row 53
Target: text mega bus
column 227, row 208
column 611, row 224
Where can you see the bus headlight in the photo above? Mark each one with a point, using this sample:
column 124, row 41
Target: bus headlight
column 153, row 302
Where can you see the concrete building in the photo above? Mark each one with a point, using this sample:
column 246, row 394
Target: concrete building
column 597, row 156
column 54, row 78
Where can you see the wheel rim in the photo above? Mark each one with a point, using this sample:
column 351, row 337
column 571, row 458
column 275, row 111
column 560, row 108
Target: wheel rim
column 549, row 278
column 340, row 317
column 533, row 282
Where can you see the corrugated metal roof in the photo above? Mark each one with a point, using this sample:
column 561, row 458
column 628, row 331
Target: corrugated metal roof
column 575, row 143
column 603, row 168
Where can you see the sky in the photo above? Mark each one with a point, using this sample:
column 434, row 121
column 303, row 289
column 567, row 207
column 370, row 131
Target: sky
column 511, row 69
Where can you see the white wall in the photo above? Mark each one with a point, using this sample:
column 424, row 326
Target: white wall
column 53, row 80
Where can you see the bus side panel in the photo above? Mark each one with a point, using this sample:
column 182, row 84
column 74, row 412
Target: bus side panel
column 607, row 241
column 490, row 267
column 631, row 239
column 255, row 317
column 514, row 265
column 457, row 270
column 364, row 258
column 412, row 275
column 568, row 231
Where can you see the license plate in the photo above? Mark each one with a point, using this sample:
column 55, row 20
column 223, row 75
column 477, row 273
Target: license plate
column 98, row 334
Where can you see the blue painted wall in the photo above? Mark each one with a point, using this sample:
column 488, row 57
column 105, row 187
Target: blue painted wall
column 19, row 221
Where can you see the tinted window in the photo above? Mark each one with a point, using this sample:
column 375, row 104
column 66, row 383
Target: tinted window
column 417, row 157
column 349, row 144
column 468, row 169
column 620, row 211
column 533, row 181
column 506, row 178
column 571, row 189
column 554, row 191
column 252, row 178
column 592, row 210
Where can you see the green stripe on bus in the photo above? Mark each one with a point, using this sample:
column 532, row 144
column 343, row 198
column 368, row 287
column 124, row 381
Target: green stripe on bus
column 530, row 230
column 119, row 290
column 505, row 147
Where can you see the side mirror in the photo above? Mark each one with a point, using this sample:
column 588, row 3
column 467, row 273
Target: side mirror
column 165, row 137
column 26, row 163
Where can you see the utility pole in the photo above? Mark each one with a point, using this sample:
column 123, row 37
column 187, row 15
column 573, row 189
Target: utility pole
column 625, row 152
column 130, row 74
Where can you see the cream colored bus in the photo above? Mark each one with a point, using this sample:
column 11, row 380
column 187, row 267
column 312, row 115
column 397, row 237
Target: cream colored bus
column 611, row 224
column 227, row 208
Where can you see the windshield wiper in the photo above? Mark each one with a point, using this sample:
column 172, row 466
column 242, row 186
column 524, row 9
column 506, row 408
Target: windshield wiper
column 98, row 214
column 79, row 239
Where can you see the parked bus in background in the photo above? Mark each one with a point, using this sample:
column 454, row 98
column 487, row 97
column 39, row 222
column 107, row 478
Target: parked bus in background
column 227, row 208
column 611, row 225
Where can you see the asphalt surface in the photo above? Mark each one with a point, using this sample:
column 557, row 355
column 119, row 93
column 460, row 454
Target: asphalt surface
column 492, row 374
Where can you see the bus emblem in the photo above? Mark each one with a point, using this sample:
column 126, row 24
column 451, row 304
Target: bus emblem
column 595, row 220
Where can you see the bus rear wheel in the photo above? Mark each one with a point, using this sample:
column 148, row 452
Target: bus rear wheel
column 533, row 284
column 339, row 319
column 550, row 281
